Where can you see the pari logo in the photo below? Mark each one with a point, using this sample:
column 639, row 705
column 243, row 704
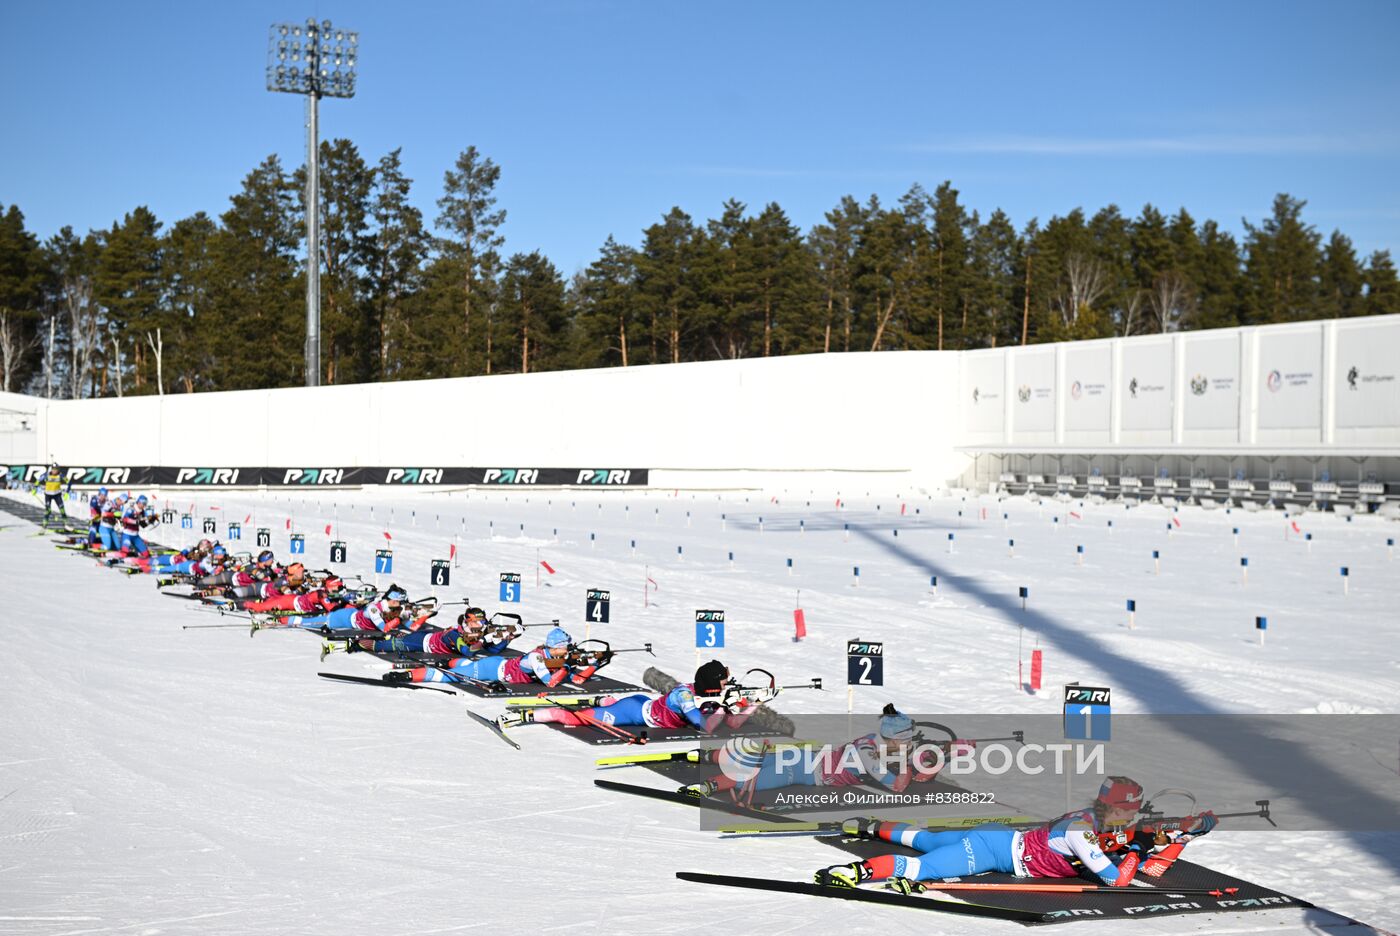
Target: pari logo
column 604, row 476
column 1274, row 381
column 314, row 476
column 99, row 475
column 1086, row 694
column 511, row 476
column 413, row 476
column 206, row 476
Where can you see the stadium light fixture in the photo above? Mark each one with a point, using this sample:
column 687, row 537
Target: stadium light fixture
column 317, row 60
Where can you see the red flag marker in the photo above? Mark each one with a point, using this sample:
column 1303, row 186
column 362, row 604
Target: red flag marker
column 901, row 509
column 328, row 529
column 799, row 620
column 1177, row 521
column 289, row 523
column 1075, row 515
column 652, row 582
column 1036, row 664
column 547, row 567
column 1294, row 524
column 248, row 519
column 387, row 536
column 452, row 551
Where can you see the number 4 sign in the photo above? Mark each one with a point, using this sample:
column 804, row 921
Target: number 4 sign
column 709, row 630
column 596, row 606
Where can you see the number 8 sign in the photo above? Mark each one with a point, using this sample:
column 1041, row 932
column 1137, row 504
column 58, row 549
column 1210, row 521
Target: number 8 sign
column 709, row 630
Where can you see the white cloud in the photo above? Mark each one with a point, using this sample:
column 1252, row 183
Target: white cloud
column 1217, row 145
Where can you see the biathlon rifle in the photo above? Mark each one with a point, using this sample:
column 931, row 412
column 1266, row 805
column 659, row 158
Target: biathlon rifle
column 737, row 696
column 596, row 653
column 1165, row 829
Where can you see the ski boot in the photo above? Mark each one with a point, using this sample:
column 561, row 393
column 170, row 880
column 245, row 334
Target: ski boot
column 843, row 875
column 905, row 886
column 861, row 828
column 700, row 790
column 398, row 676
column 515, row 718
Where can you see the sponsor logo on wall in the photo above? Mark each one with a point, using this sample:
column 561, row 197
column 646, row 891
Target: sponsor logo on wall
column 1278, row 380
column 414, row 476
column 976, row 396
column 1023, row 393
column 1076, row 390
column 1199, row 385
column 137, row 476
column 1135, row 387
column 1355, row 378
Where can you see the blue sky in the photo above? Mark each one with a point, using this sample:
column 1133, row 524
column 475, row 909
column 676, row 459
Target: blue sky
column 605, row 114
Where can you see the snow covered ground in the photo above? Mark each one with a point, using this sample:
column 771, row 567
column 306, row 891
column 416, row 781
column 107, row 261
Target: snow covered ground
column 159, row 780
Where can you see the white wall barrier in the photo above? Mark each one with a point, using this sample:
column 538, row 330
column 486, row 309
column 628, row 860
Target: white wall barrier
column 1316, row 388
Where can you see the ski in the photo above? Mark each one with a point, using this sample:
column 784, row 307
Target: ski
column 494, row 728
column 584, row 701
column 888, row 898
column 833, row 827
column 371, row 681
column 656, row 757
column 671, row 796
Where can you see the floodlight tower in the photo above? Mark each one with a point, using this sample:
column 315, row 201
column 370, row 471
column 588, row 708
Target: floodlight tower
column 318, row 61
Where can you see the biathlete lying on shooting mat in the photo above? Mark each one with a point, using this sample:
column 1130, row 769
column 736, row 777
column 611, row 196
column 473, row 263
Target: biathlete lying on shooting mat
column 882, row 757
column 1063, row 848
column 546, row 664
column 697, row 704
column 469, row 637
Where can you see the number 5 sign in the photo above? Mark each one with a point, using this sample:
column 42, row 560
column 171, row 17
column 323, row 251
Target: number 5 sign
column 709, row 630
column 865, row 663
column 510, row 586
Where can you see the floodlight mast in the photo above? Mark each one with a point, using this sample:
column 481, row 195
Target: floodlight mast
column 315, row 60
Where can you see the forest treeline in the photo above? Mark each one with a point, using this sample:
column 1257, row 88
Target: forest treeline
column 219, row 303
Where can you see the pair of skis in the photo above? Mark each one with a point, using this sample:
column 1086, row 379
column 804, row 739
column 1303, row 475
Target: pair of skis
column 921, row 901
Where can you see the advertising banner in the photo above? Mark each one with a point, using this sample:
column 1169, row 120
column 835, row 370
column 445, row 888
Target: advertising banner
column 1290, row 367
column 1146, row 385
column 1087, row 388
column 1212, row 382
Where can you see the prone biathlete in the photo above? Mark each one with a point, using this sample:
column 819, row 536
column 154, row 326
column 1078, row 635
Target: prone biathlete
column 1062, row 848
column 544, row 664
column 323, row 599
column 691, row 704
column 383, row 615
column 867, row 758
column 467, row 638
column 133, row 518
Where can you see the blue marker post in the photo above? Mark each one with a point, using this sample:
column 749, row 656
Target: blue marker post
column 1307, row 538
column 1080, row 559
column 1132, row 613
column 1261, row 624
column 1006, row 521
column 846, row 533
column 1244, row 571
column 760, row 526
column 1024, row 593
column 933, row 585
column 1389, row 548
column 634, row 547
column 723, row 523
column 1236, row 532
column 801, row 526
column 592, row 538
column 731, row 559
column 680, row 554
column 1011, row 548
column 789, row 565
column 855, row 571
column 950, row 542
column 1346, row 581
column 1156, row 562
column 1110, row 528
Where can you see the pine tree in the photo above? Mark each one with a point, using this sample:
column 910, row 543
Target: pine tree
column 397, row 252
column 1382, row 287
column 23, row 276
column 728, row 266
column 532, row 312
column 782, row 283
column 833, row 247
column 1341, row 284
column 995, row 251
column 669, row 283
column 187, row 277
column 472, row 222
column 607, row 302
column 127, row 287
column 1281, row 266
